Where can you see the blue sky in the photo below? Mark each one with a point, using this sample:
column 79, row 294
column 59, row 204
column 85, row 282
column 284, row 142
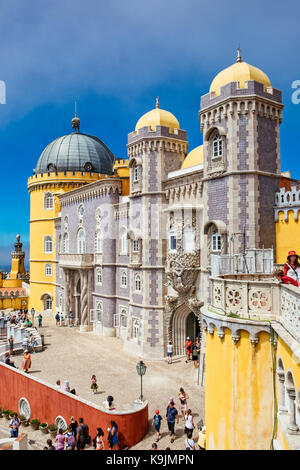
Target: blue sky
column 115, row 57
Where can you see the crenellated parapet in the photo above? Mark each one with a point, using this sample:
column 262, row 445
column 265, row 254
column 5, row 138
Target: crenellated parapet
column 286, row 201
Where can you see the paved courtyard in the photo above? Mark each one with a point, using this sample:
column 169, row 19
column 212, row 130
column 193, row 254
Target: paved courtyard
column 74, row 356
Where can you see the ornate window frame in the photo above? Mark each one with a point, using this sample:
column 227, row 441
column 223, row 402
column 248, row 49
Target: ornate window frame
column 99, row 276
column 123, row 277
column 48, row 244
column 48, row 269
column 48, row 201
column 24, row 408
column 81, row 244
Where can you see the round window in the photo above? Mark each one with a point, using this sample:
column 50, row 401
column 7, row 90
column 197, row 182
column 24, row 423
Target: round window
column 61, row 423
column 88, row 166
column 24, row 408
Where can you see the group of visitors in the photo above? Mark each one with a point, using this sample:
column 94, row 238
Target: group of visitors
column 77, row 437
column 21, row 318
column 291, row 270
column 192, row 351
column 172, row 416
column 60, row 320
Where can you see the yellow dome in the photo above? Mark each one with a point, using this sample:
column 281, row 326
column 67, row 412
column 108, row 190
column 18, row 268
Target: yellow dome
column 158, row 117
column 193, row 158
column 238, row 72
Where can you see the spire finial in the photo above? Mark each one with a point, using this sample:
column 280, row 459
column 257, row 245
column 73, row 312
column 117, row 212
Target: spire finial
column 76, row 120
column 157, row 102
column 239, row 57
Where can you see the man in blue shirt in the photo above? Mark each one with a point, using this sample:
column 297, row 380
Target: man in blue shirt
column 171, row 415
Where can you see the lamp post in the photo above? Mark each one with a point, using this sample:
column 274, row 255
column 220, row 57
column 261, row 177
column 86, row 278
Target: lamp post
column 141, row 370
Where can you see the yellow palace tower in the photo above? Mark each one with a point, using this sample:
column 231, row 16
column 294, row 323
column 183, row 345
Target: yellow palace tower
column 68, row 162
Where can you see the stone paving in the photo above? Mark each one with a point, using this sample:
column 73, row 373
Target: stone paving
column 74, row 356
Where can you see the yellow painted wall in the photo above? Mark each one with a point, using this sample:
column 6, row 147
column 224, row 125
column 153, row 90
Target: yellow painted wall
column 238, row 392
column 287, row 235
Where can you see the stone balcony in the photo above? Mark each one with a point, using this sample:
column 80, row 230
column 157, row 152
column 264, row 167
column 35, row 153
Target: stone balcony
column 257, row 297
column 76, row 260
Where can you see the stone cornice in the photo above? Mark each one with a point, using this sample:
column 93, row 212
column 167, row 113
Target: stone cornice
column 92, row 190
column 232, row 98
column 244, row 172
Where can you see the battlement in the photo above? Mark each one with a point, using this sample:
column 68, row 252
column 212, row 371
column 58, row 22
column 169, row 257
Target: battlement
column 233, row 90
column 158, row 131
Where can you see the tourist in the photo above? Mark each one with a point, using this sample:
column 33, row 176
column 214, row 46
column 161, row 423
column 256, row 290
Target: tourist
column 58, row 384
column 113, row 436
column 94, row 385
column 62, row 320
column 25, row 344
column 189, row 423
column 40, row 319
column 183, row 396
column 154, row 446
column 32, row 343
column 188, row 348
column 170, row 352
column 28, row 323
column 32, row 311
column 291, row 269
column 7, row 360
column 109, row 403
column 57, row 317
column 70, row 439
column 171, row 415
column 73, row 425
column 26, row 363
column 14, row 426
column 196, row 351
column 50, row 445
column 82, row 435
column 156, row 422
column 71, row 318
column 202, row 438
column 189, row 442
column 98, row 440
column 60, row 440
column 11, row 345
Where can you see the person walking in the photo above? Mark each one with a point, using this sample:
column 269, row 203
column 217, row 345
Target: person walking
column 156, row 422
column 11, row 345
column 40, row 320
column 73, row 425
column 196, row 351
column 14, row 426
column 171, row 416
column 32, row 311
column 94, row 385
column 26, row 363
column 98, row 440
column 71, row 318
column 170, row 352
column 70, row 439
column 189, row 442
column 188, row 348
column 60, row 440
column 189, row 423
column 113, row 436
column 57, row 317
column 183, row 396
column 202, row 438
column 82, row 437
column 32, row 343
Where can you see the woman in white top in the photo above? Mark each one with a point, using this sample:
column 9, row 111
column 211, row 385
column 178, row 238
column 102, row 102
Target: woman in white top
column 170, row 352
column 189, row 423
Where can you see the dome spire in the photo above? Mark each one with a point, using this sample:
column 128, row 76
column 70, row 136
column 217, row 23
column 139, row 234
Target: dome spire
column 239, row 57
column 76, row 121
column 157, row 102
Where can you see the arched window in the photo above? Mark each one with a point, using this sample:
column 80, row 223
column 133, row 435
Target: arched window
column 216, row 242
column 137, row 283
column 48, row 201
column 99, row 311
column 136, row 173
column 99, row 241
column 217, row 146
column 135, row 245
column 123, row 238
column 99, row 276
column 123, row 318
column 66, row 243
column 123, row 278
column 188, row 239
column 47, row 302
column 135, row 328
column 172, row 239
column 48, row 244
column 48, row 269
column 80, row 241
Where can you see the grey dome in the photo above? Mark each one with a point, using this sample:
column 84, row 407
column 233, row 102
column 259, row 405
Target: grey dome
column 76, row 152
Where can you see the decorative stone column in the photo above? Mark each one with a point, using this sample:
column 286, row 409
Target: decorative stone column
column 67, row 292
column 84, row 326
column 292, row 426
column 282, row 408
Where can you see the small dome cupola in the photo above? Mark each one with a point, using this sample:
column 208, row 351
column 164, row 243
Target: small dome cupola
column 158, row 117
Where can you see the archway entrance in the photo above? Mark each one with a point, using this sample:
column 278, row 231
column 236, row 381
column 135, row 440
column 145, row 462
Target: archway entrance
column 184, row 323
